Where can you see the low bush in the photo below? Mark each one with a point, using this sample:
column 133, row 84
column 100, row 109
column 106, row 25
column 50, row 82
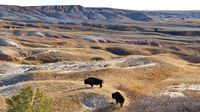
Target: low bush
column 29, row 101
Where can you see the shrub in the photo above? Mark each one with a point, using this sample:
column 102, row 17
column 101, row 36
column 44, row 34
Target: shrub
column 28, row 101
column 41, row 103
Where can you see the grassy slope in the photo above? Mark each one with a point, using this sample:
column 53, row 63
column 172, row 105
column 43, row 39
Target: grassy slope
column 132, row 83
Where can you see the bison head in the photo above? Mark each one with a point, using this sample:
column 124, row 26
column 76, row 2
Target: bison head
column 86, row 81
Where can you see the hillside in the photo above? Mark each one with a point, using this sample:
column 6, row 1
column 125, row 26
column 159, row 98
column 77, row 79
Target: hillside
column 151, row 58
column 76, row 14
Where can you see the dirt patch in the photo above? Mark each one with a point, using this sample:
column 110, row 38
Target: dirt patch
column 95, row 101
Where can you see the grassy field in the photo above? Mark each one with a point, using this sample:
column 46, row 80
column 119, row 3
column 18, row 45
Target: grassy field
column 153, row 62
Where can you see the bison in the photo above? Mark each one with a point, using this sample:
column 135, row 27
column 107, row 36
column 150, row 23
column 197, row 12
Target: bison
column 119, row 98
column 93, row 81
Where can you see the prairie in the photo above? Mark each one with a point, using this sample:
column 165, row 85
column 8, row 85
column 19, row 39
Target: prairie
column 140, row 63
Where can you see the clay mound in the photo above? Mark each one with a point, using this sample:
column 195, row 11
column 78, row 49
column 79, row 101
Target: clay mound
column 66, row 36
column 8, row 55
column 95, row 39
column 134, row 62
column 4, row 42
column 34, row 33
column 52, row 35
column 39, row 34
column 19, row 33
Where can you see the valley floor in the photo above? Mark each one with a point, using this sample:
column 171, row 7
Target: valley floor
column 146, row 67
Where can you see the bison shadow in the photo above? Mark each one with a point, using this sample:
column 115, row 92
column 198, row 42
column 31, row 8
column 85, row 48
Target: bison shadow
column 78, row 89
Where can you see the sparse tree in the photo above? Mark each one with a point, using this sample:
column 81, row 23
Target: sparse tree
column 27, row 101
column 41, row 103
column 21, row 102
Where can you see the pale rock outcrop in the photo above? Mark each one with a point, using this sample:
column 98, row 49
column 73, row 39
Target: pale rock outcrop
column 4, row 42
column 8, row 55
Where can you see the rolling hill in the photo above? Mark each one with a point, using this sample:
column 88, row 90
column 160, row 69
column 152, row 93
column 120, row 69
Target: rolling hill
column 151, row 57
column 77, row 13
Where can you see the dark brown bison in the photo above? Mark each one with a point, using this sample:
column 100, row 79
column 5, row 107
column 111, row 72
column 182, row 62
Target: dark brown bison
column 93, row 81
column 119, row 98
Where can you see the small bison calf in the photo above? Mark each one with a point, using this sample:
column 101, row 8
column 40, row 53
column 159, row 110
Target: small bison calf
column 119, row 98
column 93, row 81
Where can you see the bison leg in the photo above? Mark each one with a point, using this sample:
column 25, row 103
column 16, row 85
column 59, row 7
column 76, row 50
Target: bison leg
column 121, row 104
column 91, row 85
column 100, row 85
column 116, row 101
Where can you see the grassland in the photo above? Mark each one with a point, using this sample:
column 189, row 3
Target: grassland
column 139, row 64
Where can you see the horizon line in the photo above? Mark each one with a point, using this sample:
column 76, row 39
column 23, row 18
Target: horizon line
column 181, row 10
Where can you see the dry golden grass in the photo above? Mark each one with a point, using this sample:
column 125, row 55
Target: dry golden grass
column 68, row 89
column 68, row 95
column 69, row 54
column 3, row 104
column 140, row 80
